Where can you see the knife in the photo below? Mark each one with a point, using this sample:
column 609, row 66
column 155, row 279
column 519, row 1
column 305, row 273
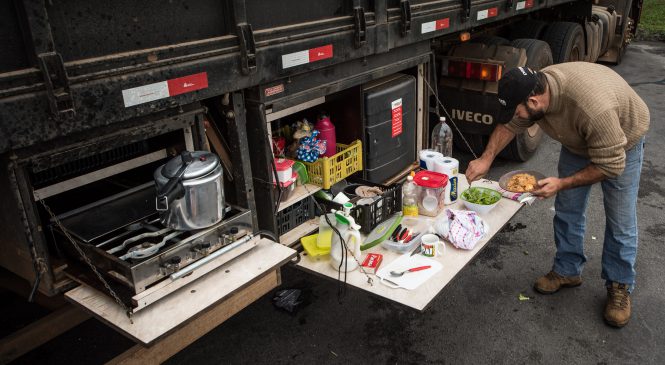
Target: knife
column 416, row 250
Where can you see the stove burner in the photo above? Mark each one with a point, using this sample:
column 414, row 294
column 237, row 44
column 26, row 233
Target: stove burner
column 131, row 240
column 147, row 249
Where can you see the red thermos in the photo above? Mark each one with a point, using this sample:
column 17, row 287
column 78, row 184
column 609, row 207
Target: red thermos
column 327, row 132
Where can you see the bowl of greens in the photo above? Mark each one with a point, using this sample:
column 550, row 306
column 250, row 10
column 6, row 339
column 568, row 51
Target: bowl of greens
column 480, row 200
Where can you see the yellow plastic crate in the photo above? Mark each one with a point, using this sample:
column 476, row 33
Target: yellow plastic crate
column 326, row 171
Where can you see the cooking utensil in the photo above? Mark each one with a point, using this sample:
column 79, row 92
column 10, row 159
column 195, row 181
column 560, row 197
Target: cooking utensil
column 190, row 191
column 413, row 269
column 503, row 181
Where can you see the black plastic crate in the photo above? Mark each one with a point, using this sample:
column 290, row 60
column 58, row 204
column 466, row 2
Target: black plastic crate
column 371, row 215
column 295, row 215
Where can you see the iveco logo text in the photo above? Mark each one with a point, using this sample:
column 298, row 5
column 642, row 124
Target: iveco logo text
column 470, row 116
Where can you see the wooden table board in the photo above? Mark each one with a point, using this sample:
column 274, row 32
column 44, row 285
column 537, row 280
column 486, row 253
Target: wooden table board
column 183, row 305
column 453, row 259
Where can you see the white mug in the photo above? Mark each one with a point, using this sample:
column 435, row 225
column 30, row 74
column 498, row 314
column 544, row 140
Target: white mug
column 429, row 244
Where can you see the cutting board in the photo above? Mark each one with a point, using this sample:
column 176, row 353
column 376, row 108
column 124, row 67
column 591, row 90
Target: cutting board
column 410, row 280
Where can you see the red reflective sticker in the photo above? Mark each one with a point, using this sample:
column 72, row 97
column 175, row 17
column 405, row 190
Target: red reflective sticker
column 320, row 53
column 187, row 84
column 529, row 4
column 442, row 23
column 492, row 12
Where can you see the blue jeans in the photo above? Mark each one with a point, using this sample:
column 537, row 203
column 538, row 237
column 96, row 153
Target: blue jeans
column 620, row 200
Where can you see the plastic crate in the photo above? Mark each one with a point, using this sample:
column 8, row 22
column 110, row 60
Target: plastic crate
column 369, row 216
column 326, row 171
column 295, row 215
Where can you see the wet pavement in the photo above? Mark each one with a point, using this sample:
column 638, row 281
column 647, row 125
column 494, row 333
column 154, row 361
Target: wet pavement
column 478, row 317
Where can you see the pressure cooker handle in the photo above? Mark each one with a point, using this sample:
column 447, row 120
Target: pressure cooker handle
column 173, row 189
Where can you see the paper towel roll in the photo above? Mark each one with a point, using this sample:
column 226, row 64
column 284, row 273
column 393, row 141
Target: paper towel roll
column 427, row 158
column 450, row 167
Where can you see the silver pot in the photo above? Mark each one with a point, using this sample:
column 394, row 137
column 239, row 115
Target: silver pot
column 190, row 191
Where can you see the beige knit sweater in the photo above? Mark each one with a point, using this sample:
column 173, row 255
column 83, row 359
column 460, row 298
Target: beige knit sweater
column 593, row 112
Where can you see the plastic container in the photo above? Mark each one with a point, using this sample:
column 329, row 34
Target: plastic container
column 442, row 138
column 417, row 226
column 432, row 192
column 326, row 171
column 327, row 132
column 288, row 187
column 301, row 170
column 295, row 215
column 284, row 169
column 371, row 215
column 324, row 237
column 410, row 197
column 481, row 209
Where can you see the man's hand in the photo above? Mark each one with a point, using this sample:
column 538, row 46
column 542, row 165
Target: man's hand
column 548, row 187
column 477, row 169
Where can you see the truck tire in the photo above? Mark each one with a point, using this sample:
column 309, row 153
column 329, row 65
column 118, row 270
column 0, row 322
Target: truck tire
column 525, row 144
column 529, row 28
column 566, row 41
column 595, row 40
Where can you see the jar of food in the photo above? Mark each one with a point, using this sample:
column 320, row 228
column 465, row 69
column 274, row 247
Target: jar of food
column 432, row 192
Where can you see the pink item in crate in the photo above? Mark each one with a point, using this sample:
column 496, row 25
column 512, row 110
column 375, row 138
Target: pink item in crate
column 327, row 133
column 284, row 169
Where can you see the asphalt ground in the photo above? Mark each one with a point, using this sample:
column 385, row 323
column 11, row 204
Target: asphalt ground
column 477, row 319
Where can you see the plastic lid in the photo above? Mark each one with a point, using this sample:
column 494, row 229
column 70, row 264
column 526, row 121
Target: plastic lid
column 204, row 162
column 282, row 164
column 431, row 179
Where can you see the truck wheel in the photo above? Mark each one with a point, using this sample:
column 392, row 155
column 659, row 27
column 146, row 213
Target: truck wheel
column 529, row 28
column 566, row 41
column 524, row 145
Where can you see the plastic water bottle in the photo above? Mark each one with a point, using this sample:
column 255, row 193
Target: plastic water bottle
column 442, row 138
column 327, row 132
column 410, row 197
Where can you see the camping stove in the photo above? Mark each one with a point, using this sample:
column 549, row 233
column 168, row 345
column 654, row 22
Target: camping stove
column 123, row 238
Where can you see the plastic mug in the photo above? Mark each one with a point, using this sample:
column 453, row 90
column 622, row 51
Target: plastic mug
column 429, row 244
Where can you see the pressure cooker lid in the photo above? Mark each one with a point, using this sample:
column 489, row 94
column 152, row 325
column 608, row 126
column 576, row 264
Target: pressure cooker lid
column 203, row 163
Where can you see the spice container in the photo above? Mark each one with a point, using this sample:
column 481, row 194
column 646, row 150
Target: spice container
column 432, row 192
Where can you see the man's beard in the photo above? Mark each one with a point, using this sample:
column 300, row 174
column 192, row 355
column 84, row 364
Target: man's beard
column 534, row 115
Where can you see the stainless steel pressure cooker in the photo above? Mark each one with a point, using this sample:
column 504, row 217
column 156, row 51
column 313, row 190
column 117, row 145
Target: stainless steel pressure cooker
column 190, row 191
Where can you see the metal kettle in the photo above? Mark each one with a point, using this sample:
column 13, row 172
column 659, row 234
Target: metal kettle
column 190, row 191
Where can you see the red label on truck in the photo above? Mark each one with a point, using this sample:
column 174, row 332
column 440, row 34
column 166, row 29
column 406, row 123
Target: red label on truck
column 320, row 53
column 396, row 107
column 187, row 84
column 492, row 12
column 529, row 4
column 442, row 24
column 270, row 91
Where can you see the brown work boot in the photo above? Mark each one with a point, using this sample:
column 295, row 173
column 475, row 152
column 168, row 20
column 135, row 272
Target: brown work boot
column 552, row 282
column 617, row 309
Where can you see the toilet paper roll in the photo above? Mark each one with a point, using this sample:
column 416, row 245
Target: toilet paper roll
column 450, row 167
column 428, row 157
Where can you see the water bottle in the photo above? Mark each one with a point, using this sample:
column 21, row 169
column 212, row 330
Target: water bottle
column 409, row 197
column 327, row 132
column 442, row 138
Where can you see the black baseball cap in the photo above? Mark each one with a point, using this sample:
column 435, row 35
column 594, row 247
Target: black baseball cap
column 514, row 87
